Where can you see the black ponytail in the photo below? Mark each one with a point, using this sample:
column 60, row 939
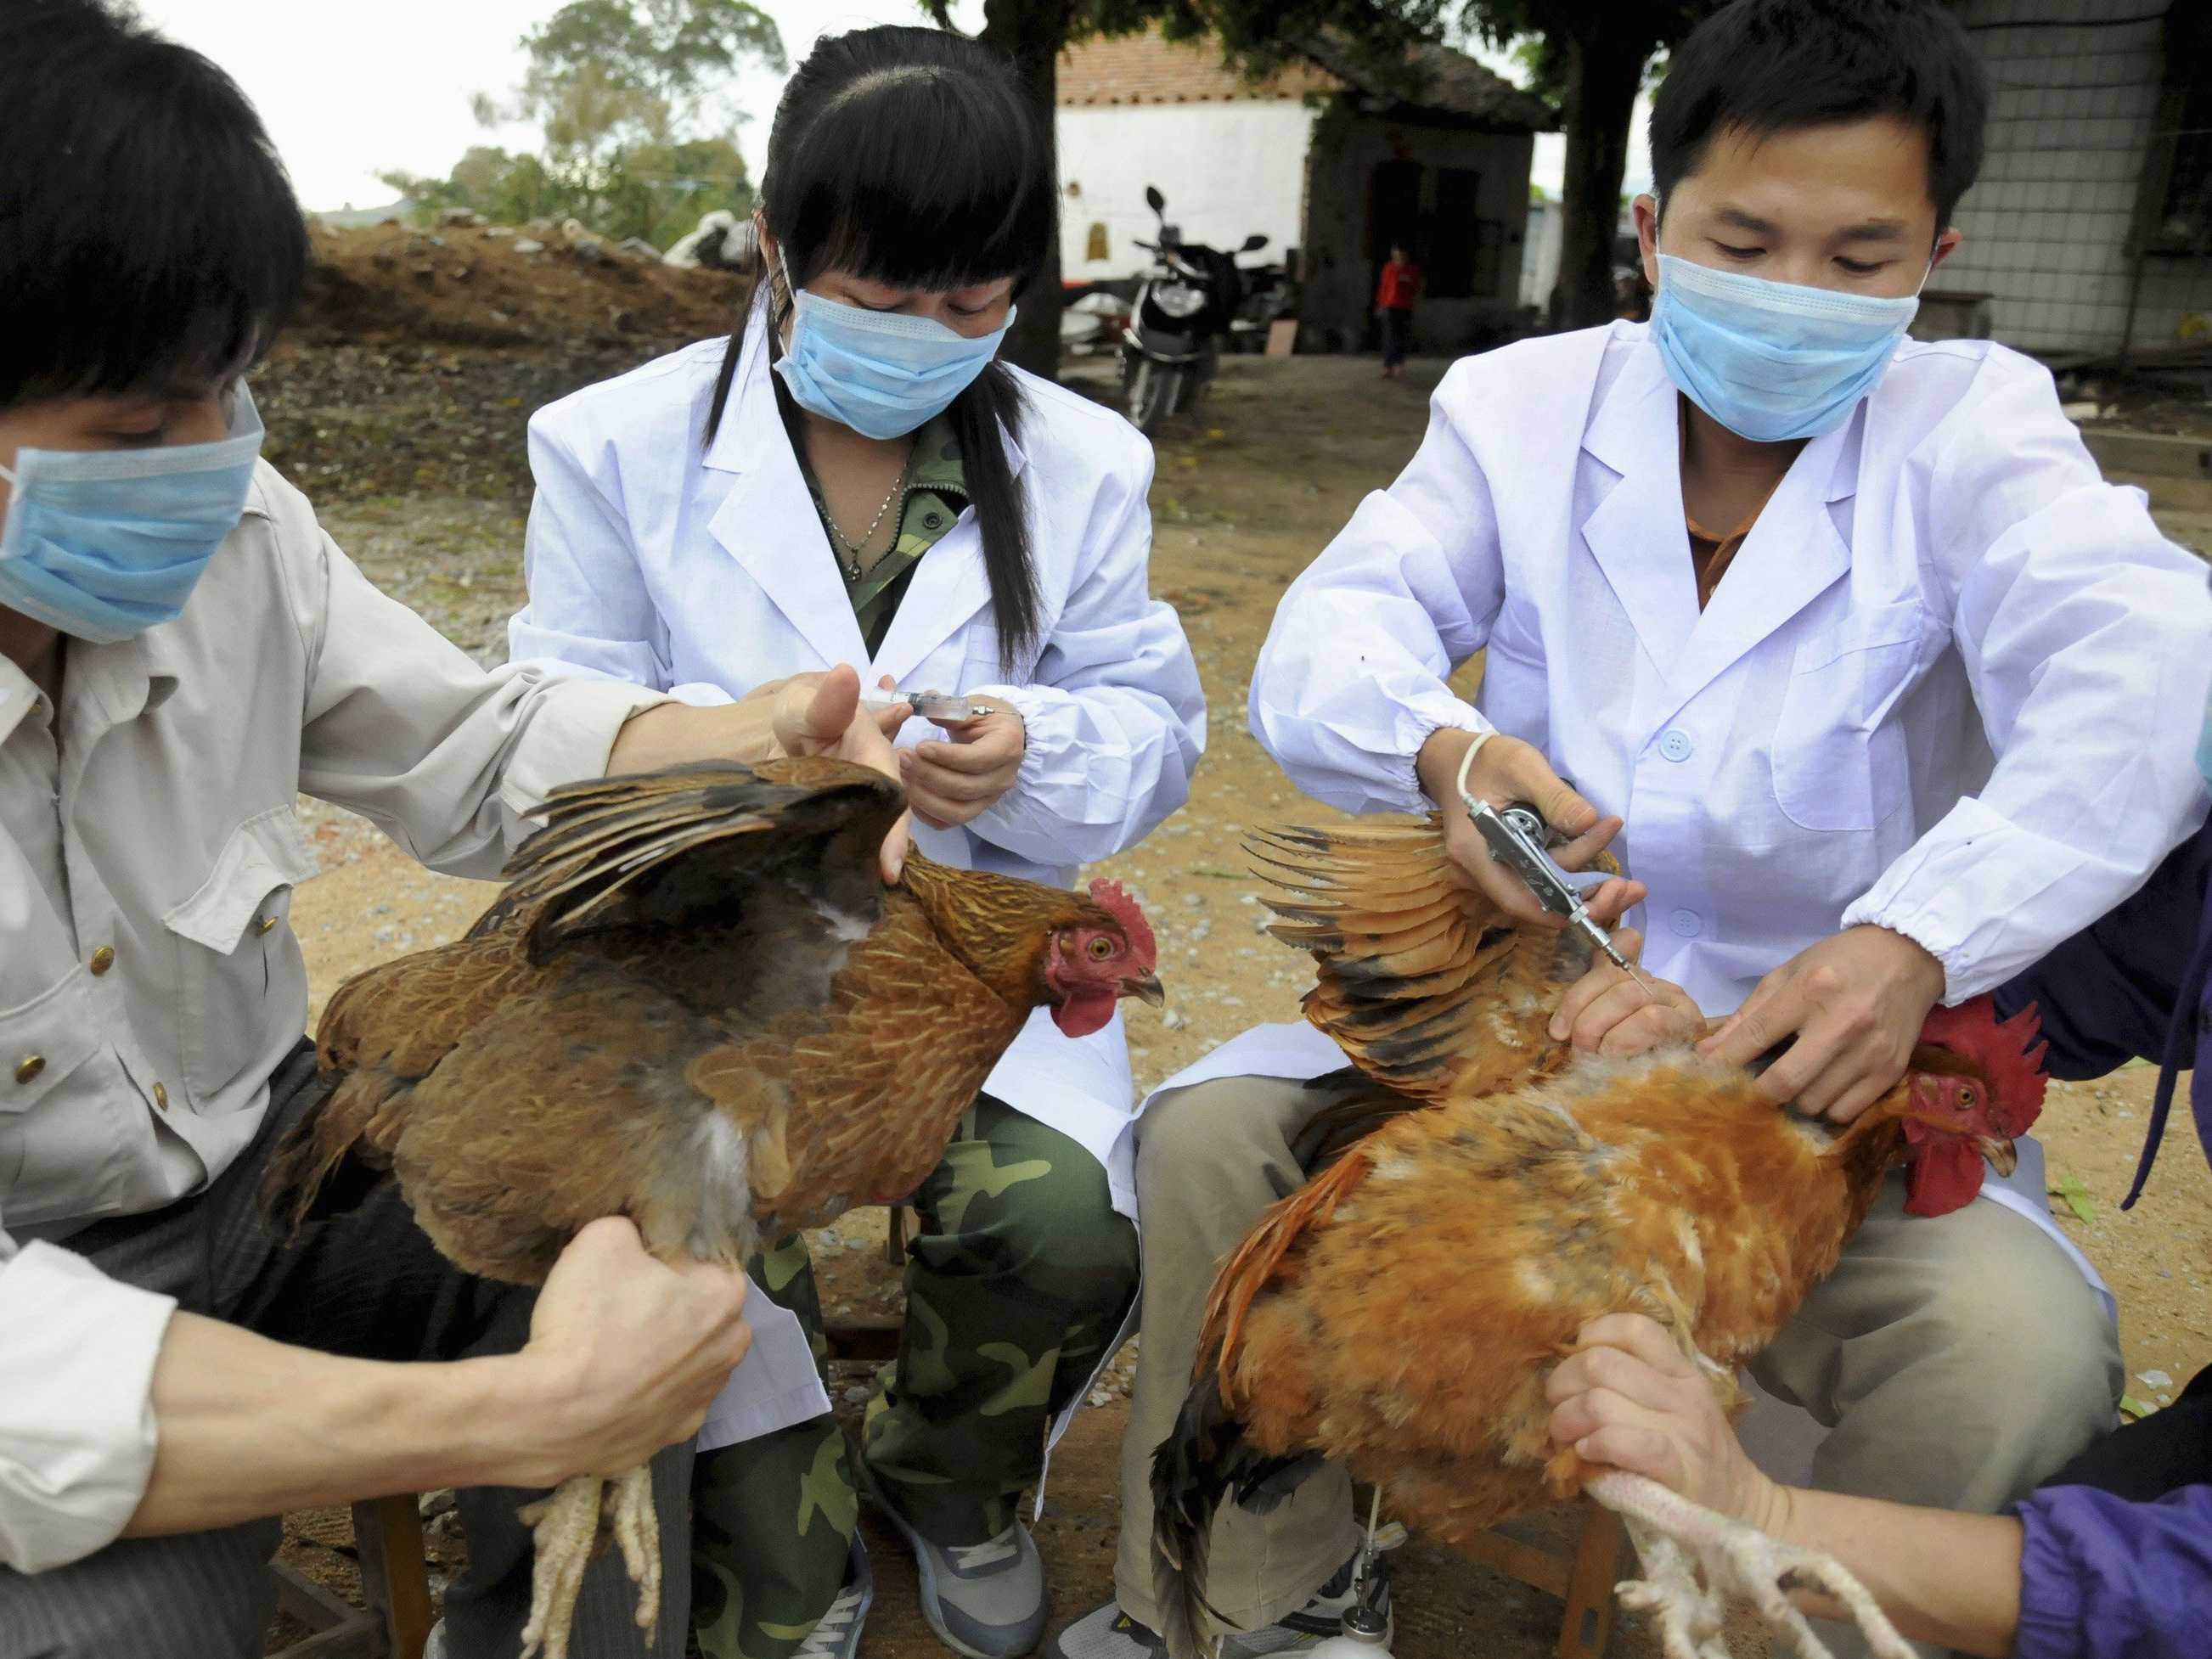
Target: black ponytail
column 907, row 156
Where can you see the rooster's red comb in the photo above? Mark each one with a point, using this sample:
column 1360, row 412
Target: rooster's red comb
column 2005, row 1052
column 1109, row 896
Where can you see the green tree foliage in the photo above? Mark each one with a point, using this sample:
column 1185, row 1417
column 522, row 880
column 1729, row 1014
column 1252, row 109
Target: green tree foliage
column 633, row 98
column 658, row 192
column 606, row 72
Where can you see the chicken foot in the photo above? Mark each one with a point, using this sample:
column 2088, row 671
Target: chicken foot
column 565, row 1527
column 1694, row 1558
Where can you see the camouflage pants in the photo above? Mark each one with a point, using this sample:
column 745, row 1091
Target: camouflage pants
column 1015, row 1284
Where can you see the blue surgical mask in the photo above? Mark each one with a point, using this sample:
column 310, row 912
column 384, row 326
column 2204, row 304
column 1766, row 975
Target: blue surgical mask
column 104, row 545
column 881, row 373
column 1771, row 360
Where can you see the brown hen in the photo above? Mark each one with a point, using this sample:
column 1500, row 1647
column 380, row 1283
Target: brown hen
column 1400, row 1313
column 697, row 1006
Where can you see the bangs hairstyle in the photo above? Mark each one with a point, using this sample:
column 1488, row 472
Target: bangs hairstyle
column 916, row 175
column 1766, row 66
column 908, row 156
column 148, row 237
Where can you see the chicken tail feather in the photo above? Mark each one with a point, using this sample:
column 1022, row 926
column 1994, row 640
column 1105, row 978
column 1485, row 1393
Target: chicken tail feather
column 320, row 1168
column 1205, row 1462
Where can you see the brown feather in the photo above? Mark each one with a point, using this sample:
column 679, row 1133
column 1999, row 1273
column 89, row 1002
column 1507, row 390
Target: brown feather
column 1454, row 1253
column 1427, row 987
column 696, row 1006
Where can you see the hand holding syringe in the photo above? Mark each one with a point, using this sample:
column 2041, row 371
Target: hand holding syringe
column 1515, row 838
column 945, row 707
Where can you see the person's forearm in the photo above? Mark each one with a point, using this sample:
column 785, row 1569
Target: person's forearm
column 1950, row 1579
column 677, row 734
column 249, row 1427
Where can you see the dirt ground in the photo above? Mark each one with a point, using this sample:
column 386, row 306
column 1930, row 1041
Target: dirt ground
column 1249, row 490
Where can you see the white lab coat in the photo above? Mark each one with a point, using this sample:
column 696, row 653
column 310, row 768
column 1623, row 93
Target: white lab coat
column 1948, row 686
column 708, row 575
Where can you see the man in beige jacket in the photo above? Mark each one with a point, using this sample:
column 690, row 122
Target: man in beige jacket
column 182, row 652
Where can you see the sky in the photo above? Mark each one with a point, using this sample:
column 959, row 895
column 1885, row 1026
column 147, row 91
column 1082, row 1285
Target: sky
column 345, row 101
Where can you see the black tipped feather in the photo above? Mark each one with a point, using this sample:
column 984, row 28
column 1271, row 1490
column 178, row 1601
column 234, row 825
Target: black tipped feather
column 685, row 846
column 1204, row 1463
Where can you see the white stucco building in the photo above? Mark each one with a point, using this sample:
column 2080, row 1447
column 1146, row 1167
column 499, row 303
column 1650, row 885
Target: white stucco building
column 1230, row 156
column 1330, row 158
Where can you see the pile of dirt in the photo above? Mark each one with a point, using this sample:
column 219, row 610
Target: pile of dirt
column 500, row 286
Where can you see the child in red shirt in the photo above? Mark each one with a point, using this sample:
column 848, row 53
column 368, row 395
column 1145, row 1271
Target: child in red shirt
column 1394, row 302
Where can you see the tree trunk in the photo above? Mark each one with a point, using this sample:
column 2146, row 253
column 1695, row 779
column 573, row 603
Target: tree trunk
column 1604, row 71
column 1033, row 33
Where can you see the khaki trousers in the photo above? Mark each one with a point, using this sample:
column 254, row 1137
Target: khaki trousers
column 1957, row 1362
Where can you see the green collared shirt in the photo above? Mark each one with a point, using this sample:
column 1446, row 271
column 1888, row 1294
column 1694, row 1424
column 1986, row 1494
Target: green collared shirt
column 936, row 495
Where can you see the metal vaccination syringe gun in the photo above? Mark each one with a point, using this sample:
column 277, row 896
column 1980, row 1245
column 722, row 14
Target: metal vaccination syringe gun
column 1516, row 837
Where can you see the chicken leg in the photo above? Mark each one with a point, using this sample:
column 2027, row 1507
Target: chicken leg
column 565, row 1527
column 1694, row 1558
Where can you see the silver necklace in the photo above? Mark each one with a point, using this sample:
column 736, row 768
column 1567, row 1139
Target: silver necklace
column 852, row 549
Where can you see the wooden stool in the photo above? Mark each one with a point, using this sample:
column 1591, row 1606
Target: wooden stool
column 1583, row 1580
column 387, row 1536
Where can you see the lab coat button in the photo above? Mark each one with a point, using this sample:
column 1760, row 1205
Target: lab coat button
column 1685, row 923
column 161, row 1096
column 29, row 1066
column 263, row 924
column 103, row 959
column 1676, row 746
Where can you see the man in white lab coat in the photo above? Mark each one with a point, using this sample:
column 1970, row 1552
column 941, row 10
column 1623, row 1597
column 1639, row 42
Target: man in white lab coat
column 183, row 651
column 1864, row 661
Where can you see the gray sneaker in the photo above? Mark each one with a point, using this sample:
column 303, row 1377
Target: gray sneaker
column 838, row 1634
column 1108, row 1632
column 987, row 1600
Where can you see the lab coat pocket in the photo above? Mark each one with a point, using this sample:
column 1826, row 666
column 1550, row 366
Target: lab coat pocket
column 236, row 951
column 1839, row 763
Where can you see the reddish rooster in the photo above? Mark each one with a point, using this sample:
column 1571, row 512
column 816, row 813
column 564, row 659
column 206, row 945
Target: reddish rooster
column 697, row 1006
column 1400, row 1314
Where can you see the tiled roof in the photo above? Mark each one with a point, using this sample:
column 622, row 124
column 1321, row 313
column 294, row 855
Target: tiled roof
column 1436, row 77
column 1143, row 69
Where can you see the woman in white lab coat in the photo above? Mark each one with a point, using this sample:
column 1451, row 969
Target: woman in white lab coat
column 1866, row 659
column 852, row 478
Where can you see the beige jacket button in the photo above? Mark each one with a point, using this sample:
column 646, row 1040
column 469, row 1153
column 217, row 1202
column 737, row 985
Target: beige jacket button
column 29, row 1066
column 103, row 959
column 161, row 1096
column 265, row 924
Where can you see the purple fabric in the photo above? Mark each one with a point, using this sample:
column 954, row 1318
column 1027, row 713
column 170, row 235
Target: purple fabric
column 2135, row 984
column 2103, row 1579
